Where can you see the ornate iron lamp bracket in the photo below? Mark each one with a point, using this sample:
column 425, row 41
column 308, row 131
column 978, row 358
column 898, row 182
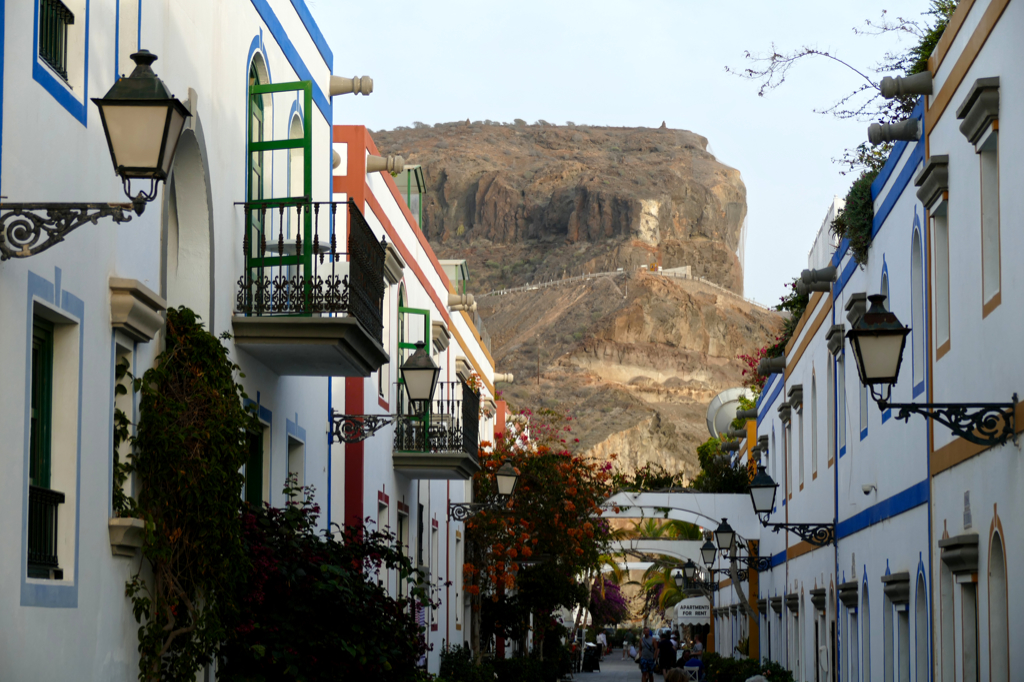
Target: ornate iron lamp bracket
column 986, row 424
column 758, row 563
column 355, row 428
column 460, row 511
column 28, row 229
column 817, row 534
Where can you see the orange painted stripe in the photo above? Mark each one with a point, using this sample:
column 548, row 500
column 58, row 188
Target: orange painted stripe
column 949, row 35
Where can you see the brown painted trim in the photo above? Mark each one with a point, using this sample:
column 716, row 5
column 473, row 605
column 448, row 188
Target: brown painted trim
column 812, row 305
column 793, row 358
column 799, row 549
column 960, row 450
column 963, row 63
column 814, row 476
column 942, row 350
column 483, row 348
column 992, row 304
column 831, row 461
column 949, row 35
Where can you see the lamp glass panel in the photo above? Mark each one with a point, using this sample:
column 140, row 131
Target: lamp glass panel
column 880, row 357
column 136, row 133
column 173, row 133
column 678, row 578
column 763, row 498
column 708, row 552
column 419, row 383
column 690, row 569
column 506, row 483
column 724, row 539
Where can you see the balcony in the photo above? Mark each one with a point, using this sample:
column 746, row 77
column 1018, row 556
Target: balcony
column 303, row 308
column 443, row 444
column 42, row 533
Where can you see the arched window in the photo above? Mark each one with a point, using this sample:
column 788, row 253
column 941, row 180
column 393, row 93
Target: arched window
column 998, row 613
column 187, row 248
column 947, row 647
column 921, row 638
column 773, row 455
column 295, row 172
column 884, row 289
column 865, row 624
column 917, row 313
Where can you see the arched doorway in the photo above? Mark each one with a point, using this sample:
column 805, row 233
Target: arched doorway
column 998, row 614
column 188, row 265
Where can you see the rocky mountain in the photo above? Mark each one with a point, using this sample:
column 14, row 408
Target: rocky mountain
column 635, row 355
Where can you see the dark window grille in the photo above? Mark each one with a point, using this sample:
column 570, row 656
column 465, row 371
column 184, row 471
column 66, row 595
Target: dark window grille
column 54, row 19
column 453, row 423
column 42, row 532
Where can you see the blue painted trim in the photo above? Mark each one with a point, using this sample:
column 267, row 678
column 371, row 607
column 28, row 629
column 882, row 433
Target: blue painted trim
column 293, row 429
column 863, row 434
column 117, row 38
column 840, row 252
column 778, row 559
column 292, row 55
column 887, row 415
column 901, row 502
column 771, row 399
column 904, row 178
column 57, row 87
column 45, row 593
column 844, row 277
column 895, row 154
column 314, row 32
column 842, row 451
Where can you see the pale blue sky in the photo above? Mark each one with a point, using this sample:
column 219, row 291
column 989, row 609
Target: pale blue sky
column 634, row 63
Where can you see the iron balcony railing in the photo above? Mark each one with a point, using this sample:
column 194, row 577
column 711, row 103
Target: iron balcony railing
column 42, row 530
column 452, row 425
column 54, row 19
column 307, row 275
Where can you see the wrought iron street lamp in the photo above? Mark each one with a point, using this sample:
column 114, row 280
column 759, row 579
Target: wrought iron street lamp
column 507, row 479
column 689, row 570
column 708, row 552
column 142, row 123
column 878, row 340
column 419, row 374
column 677, row 576
column 724, row 536
column 762, row 495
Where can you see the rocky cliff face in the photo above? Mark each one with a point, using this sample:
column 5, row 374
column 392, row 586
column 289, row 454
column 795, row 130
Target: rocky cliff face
column 631, row 196
column 635, row 356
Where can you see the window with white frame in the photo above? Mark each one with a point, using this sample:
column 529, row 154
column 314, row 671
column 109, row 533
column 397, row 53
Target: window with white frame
column 940, row 222
column 814, row 425
column 127, row 35
column 841, row 395
column 297, row 464
column 800, row 442
column 788, row 443
column 863, row 409
column 917, row 304
column 988, row 158
column 830, row 411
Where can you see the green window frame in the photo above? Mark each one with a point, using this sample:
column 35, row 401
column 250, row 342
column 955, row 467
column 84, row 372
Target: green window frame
column 41, row 419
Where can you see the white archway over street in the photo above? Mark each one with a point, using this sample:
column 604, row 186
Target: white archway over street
column 701, row 509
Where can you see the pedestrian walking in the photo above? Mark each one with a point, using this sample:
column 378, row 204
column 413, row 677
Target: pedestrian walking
column 602, row 641
column 647, row 656
column 626, row 648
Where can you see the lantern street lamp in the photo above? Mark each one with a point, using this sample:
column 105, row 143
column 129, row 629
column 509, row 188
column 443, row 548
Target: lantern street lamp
column 708, row 552
column 142, row 123
column 878, row 340
column 507, row 480
column 689, row 569
column 724, row 536
column 419, row 375
column 762, row 495
column 677, row 576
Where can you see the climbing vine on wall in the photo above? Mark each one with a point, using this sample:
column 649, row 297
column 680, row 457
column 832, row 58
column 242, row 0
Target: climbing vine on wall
column 188, row 449
column 854, row 222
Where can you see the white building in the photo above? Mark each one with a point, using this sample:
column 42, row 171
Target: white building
column 256, row 76
column 917, row 583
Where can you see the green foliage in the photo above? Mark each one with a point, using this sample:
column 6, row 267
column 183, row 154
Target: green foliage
column 646, row 478
column 457, row 665
column 312, row 605
column 855, row 220
column 726, row 669
column 189, row 447
column 716, row 473
column 123, row 504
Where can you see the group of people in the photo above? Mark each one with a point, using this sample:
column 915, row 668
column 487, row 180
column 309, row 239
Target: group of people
column 661, row 655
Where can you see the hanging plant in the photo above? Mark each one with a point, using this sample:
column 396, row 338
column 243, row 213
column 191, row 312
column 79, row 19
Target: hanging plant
column 188, row 450
column 855, row 220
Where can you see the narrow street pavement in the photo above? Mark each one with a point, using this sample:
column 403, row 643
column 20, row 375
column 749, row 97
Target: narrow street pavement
column 614, row 669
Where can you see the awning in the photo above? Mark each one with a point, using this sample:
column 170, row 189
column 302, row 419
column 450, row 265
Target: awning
column 693, row 611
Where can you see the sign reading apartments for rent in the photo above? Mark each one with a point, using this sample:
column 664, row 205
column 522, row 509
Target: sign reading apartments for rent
column 693, row 611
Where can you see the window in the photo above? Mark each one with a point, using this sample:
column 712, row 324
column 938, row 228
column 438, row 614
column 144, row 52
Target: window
column 127, row 35
column 384, row 373
column 863, row 410
column 403, row 544
column 865, row 623
column 295, row 174
column 988, row 157
column 800, row 443
column 383, row 526
column 54, row 21
column 814, row 426
column 969, row 608
column 884, row 289
column 773, row 456
column 257, row 473
column 888, row 650
column 903, row 635
column 998, row 613
column 297, row 462
column 435, row 572
column 921, row 639
column 917, row 312
column 459, row 600
column 947, row 647
column 941, row 225
column 841, row 410
column 789, row 460
column 43, row 561
column 255, row 135
column 123, row 414
column 853, row 655
column 830, row 411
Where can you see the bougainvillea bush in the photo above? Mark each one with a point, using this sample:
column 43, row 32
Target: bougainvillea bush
column 549, row 535
column 607, row 605
column 313, row 608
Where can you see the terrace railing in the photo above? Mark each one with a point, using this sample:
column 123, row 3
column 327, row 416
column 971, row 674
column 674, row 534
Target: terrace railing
column 452, row 424
column 54, row 19
column 42, row 531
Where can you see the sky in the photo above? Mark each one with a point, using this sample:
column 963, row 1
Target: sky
column 633, row 63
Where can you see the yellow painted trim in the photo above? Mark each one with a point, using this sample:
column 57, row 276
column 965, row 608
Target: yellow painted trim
column 812, row 304
column 799, row 549
column 963, row 63
column 469, row 356
column 823, row 314
column 992, row 304
column 949, row 35
column 960, row 450
column 942, row 350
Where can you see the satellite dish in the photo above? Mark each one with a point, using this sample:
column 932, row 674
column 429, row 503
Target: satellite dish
column 722, row 410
